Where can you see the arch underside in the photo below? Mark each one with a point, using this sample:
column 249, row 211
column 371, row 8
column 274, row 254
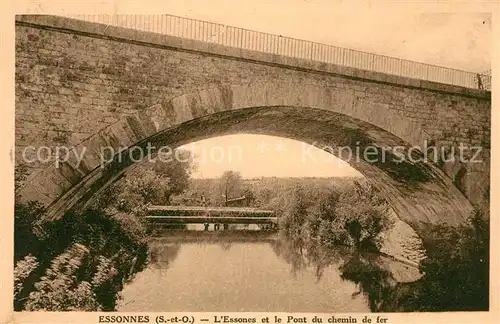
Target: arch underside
column 419, row 192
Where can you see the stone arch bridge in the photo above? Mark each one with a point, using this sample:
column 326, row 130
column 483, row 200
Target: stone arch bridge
column 89, row 86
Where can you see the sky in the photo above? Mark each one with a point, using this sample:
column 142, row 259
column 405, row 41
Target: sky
column 454, row 35
column 264, row 156
column 460, row 40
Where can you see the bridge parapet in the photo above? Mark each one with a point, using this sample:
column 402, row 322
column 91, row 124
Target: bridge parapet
column 279, row 45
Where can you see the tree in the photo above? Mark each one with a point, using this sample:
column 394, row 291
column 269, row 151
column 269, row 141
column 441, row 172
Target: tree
column 152, row 182
column 178, row 170
column 134, row 192
column 230, row 185
column 248, row 193
column 295, row 213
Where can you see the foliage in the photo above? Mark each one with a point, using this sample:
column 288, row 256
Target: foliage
column 64, row 286
column 134, row 192
column 23, row 269
column 230, row 185
column 20, row 175
column 81, row 261
column 455, row 272
column 178, row 170
column 87, row 255
column 151, row 182
column 355, row 216
column 295, row 213
column 26, row 230
column 59, row 289
column 249, row 196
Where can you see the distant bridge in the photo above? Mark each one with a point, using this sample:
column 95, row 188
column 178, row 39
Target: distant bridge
column 207, row 215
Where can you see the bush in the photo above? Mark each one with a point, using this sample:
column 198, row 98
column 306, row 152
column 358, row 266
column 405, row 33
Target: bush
column 26, row 231
column 79, row 262
column 354, row 217
column 59, row 289
column 23, row 269
column 455, row 272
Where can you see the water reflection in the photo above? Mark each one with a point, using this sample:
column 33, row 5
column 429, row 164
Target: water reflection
column 260, row 271
column 376, row 276
column 371, row 278
column 162, row 255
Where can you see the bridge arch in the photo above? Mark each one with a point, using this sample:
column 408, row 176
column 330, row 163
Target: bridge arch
column 419, row 192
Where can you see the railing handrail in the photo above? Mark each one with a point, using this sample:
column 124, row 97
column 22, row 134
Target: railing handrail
column 322, row 44
column 470, row 79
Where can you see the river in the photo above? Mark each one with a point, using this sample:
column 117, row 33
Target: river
column 251, row 270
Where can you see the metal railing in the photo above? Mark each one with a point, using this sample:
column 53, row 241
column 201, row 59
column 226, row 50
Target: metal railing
column 292, row 47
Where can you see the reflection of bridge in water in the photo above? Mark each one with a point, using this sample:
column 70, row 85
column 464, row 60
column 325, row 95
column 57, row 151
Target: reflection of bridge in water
column 240, row 236
column 180, row 215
